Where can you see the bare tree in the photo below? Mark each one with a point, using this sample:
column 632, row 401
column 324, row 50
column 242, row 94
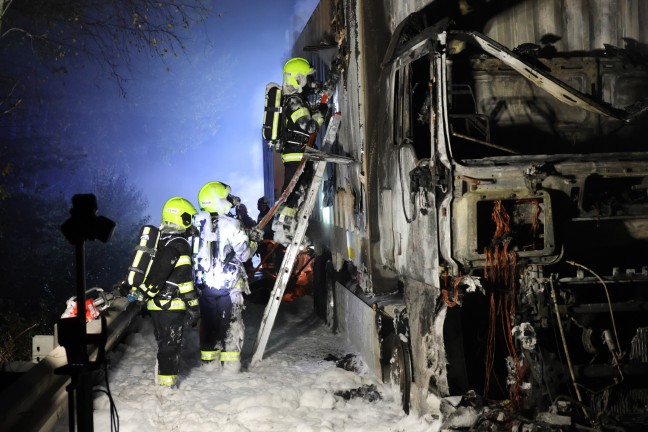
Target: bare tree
column 4, row 5
column 64, row 33
column 42, row 38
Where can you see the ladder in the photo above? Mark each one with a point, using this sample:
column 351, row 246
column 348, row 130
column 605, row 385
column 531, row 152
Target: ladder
column 303, row 215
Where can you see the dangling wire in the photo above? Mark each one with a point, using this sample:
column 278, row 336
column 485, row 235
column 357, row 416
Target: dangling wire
column 454, row 301
column 609, row 301
column 114, row 415
column 502, row 220
column 500, row 270
column 564, row 341
column 516, row 388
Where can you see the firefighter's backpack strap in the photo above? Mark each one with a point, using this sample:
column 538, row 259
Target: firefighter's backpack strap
column 164, row 307
column 168, row 294
column 144, row 255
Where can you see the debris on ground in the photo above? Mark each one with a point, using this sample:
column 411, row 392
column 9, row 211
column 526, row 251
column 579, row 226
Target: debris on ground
column 366, row 392
column 350, row 362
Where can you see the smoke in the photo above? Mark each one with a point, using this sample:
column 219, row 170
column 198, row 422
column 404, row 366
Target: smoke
column 302, row 13
column 303, row 10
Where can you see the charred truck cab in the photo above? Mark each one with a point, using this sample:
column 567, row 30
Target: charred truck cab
column 493, row 237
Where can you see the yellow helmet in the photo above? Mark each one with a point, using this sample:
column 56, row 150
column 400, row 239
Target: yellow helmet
column 215, row 197
column 178, row 212
column 295, row 75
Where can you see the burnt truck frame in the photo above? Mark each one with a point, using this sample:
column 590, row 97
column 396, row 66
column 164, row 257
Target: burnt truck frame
column 493, row 237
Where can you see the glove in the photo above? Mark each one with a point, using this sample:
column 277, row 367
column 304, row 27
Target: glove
column 318, row 120
column 193, row 317
column 255, row 235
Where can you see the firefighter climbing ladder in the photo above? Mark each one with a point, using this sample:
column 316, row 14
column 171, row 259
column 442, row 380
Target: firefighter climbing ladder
column 293, row 249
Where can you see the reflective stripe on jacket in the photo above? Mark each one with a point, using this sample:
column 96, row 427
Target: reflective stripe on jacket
column 291, row 157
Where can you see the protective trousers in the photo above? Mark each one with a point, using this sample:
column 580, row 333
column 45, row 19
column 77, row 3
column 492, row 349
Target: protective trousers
column 168, row 327
column 216, row 316
column 290, row 168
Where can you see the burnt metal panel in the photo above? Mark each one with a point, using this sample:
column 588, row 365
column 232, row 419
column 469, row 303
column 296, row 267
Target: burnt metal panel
column 582, row 25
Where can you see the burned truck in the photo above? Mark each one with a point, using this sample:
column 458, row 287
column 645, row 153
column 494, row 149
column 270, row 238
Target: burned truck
column 492, row 238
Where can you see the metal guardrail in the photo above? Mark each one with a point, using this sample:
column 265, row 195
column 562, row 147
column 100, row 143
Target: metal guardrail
column 38, row 399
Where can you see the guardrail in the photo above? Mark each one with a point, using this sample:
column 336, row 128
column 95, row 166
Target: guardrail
column 38, row 399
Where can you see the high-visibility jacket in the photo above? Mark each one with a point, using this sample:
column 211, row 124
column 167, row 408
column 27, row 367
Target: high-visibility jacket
column 300, row 124
column 169, row 284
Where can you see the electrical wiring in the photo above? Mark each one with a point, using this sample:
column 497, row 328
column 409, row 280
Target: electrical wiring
column 114, row 415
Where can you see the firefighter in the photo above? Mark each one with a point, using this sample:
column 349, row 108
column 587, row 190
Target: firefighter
column 248, row 223
column 221, row 247
column 244, row 217
column 265, row 247
column 169, row 288
column 263, row 206
column 301, row 122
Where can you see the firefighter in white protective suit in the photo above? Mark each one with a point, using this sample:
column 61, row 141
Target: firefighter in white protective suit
column 220, row 249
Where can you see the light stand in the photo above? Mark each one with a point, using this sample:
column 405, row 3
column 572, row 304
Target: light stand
column 84, row 224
